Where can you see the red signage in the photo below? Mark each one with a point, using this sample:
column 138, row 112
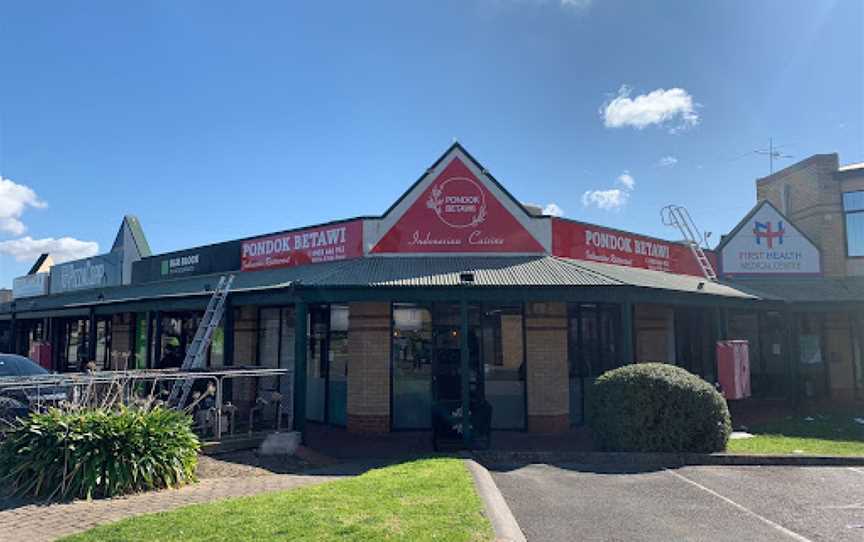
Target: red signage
column 457, row 213
column 588, row 242
column 313, row 245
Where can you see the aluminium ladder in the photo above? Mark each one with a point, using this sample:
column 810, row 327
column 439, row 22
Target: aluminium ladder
column 197, row 351
column 679, row 217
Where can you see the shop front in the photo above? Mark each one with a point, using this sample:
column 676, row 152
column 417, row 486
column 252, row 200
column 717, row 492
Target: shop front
column 458, row 301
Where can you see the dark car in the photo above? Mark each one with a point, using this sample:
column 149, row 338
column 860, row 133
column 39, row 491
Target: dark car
column 17, row 401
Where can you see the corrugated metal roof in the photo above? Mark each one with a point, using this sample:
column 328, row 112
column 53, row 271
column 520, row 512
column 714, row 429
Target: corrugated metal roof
column 445, row 271
column 805, row 289
column 404, row 272
column 646, row 278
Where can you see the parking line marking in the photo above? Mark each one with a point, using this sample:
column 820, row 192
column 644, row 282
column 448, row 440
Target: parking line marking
column 744, row 509
column 856, row 469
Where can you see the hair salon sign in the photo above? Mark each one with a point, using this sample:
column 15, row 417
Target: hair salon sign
column 766, row 243
column 312, row 245
column 457, row 213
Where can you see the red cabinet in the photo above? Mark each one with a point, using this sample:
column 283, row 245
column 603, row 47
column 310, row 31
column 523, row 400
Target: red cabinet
column 733, row 368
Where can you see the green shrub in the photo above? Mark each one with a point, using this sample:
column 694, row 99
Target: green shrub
column 98, row 453
column 655, row 407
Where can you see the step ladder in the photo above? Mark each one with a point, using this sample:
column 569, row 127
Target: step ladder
column 679, row 217
column 196, row 354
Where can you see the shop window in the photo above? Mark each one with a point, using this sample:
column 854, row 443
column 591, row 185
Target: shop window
column 503, row 356
column 811, row 356
column 853, row 208
column 592, row 343
column 275, row 350
column 103, row 345
column 412, row 366
column 73, row 354
column 142, row 325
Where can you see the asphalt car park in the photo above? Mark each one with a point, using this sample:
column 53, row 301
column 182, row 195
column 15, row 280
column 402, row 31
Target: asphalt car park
column 711, row 503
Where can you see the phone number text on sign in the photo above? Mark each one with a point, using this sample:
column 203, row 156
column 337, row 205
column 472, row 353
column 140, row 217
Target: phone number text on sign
column 313, row 245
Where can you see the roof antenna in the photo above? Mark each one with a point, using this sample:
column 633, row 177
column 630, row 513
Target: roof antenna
column 771, row 152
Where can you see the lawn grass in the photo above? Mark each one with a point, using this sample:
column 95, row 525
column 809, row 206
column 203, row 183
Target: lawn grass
column 432, row 499
column 829, row 434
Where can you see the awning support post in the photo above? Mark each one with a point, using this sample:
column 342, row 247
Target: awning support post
column 627, row 333
column 301, row 314
column 465, row 372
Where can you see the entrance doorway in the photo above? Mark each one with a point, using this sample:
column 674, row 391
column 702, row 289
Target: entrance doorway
column 327, row 365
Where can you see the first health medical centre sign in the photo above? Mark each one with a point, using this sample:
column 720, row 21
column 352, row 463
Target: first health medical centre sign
column 766, row 243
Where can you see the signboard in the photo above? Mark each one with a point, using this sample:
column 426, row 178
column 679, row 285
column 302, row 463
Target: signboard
column 457, row 213
column 95, row 272
column 187, row 263
column 312, row 245
column 594, row 243
column 30, row 285
column 766, row 243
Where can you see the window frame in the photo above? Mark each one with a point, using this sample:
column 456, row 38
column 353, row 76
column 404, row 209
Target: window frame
column 846, row 214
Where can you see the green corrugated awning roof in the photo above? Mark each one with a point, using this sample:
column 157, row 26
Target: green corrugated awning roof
column 403, row 272
column 805, row 289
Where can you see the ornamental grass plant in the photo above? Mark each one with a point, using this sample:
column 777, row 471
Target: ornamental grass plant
column 98, row 452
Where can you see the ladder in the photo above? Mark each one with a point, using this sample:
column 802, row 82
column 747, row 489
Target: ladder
column 197, row 351
column 679, row 217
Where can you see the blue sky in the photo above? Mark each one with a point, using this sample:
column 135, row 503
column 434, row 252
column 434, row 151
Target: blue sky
column 218, row 120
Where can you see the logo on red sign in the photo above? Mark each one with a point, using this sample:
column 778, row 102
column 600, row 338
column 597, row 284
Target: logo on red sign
column 459, row 202
column 457, row 213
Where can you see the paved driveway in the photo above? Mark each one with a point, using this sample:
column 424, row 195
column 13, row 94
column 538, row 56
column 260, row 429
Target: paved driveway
column 567, row 502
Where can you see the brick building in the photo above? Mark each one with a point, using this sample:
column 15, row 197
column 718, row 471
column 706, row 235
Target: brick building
column 826, row 203
column 457, row 296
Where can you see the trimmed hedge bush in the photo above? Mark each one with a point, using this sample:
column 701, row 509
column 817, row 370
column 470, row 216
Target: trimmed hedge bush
column 656, row 407
column 98, row 453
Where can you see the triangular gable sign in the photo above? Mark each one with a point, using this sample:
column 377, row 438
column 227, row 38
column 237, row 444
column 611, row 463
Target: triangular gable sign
column 766, row 243
column 457, row 208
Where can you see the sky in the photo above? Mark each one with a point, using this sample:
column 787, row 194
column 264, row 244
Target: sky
column 219, row 120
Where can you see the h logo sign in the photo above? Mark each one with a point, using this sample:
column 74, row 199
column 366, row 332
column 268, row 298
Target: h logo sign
column 763, row 230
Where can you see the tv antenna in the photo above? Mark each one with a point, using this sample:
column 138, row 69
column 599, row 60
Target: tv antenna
column 772, row 152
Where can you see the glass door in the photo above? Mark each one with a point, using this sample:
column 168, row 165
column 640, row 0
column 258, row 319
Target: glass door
column 337, row 366
column 447, row 367
column 316, row 363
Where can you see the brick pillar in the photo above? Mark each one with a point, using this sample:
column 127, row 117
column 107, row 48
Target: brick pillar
column 369, row 368
column 548, row 374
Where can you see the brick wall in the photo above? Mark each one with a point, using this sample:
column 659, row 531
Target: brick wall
column 547, row 374
column 369, row 368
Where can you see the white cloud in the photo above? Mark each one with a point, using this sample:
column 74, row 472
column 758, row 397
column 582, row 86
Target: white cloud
column 576, row 4
column 627, row 180
column 674, row 108
column 667, row 161
column 552, row 209
column 608, row 200
column 64, row 249
column 14, row 200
